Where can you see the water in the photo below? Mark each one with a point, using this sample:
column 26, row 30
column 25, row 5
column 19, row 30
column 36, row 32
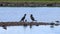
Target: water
column 45, row 14
column 41, row 14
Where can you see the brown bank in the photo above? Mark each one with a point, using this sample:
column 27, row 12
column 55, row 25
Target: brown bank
column 28, row 4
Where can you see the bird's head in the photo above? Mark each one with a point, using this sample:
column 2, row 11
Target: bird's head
column 31, row 15
column 25, row 14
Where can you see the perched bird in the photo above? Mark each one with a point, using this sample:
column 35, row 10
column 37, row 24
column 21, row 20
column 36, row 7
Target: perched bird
column 32, row 18
column 57, row 21
column 23, row 18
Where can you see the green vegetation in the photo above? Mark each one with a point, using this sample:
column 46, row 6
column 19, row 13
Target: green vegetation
column 29, row 0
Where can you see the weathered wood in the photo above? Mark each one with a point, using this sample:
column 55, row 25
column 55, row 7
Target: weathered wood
column 25, row 23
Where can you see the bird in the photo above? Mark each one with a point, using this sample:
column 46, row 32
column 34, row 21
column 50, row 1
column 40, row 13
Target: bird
column 57, row 21
column 32, row 18
column 22, row 19
column 25, row 20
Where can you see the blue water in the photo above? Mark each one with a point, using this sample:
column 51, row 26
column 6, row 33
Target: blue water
column 45, row 14
column 41, row 14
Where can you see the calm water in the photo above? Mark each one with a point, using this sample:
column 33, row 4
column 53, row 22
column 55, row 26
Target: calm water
column 41, row 14
column 46, row 14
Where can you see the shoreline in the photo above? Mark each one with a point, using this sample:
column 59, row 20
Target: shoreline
column 28, row 4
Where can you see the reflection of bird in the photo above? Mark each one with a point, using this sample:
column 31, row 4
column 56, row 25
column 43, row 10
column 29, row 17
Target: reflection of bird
column 4, row 27
column 32, row 18
column 52, row 25
column 23, row 17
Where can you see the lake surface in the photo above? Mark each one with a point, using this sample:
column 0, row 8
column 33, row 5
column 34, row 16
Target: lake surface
column 46, row 14
column 41, row 14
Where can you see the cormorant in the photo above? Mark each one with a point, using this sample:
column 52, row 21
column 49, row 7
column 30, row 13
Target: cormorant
column 23, row 18
column 32, row 18
column 57, row 21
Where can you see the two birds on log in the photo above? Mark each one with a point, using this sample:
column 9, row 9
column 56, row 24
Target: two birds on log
column 31, row 16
